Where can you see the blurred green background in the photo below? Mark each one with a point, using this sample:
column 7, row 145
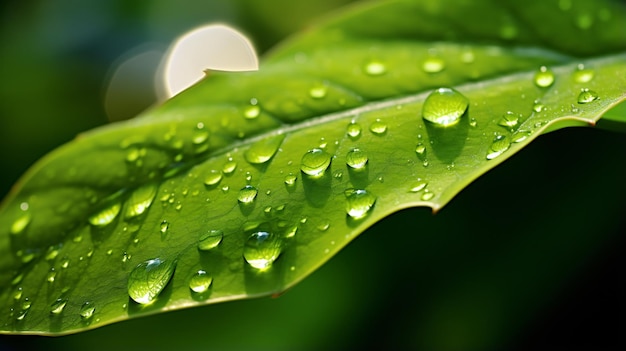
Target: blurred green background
column 501, row 267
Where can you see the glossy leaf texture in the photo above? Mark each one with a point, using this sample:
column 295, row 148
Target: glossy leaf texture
column 246, row 183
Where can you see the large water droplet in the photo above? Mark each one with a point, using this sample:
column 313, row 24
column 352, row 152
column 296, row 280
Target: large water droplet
column 149, row 278
column 200, row 282
column 378, row 127
column 23, row 219
column 359, row 202
column 433, row 64
column 87, row 310
column 498, row 147
column 106, row 215
column 356, row 159
column 247, row 194
column 544, row 77
column 315, row 162
column 353, row 130
column 140, row 200
column 262, row 249
column 58, row 306
column 444, row 107
column 263, row 150
column 586, row 96
column 213, row 177
column 210, row 240
column 375, row 68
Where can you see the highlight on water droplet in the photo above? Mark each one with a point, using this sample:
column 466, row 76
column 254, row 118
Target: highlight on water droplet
column 230, row 166
column 375, row 68
column 263, row 150
column 290, row 179
column 140, row 200
column 58, row 306
column 315, row 162
column 378, row 127
column 499, row 145
column 582, row 74
column 433, row 64
column 353, row 130
column 418, row 185
column 427, row 195
column 359, row 202
column 544, row 77
column 509, row 120
column 247, row 194
column 586, row 96
column 87, row 310
column 200, row 282
column 520, row 136
column 318, row 91
column 210, row 240
column 356, row 159
column 262, row 249
column 444, row 107
column 23, row 219
column 149, row 278
column 106, row 215
column 213, row 177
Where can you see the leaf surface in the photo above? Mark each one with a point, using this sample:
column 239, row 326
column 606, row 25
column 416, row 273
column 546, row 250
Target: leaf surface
column 244, row 184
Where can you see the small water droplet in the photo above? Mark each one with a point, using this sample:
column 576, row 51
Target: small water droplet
column 262, row 249
column 418, row 185
column 318, row 91
column 427, row 195
column 140, row 200
column 213, row 177
column 544, row 77
column 499, row 145
column 375, row 68
column 106, row 215
column 51, row 275
column 290, row 179
column 165, row 225
column 65, row 262
column 509, row 120
column 263, row 150
column 420, row 150
column 253, row 111
column 18, row 294
column 582, row 74
column 378, row 127
column 538, row 107
column 433, row 64
column 149, row 278
column 230, row 166
column 356, row 159
column 473, row 122
column 200, row 282
column 520, row 136
column 210, row 239
column 291, row 231
column 359, row 202
column 444, row 107
column 58, row 306
column 315, row 162
column 586, row 96
column 247, row 194
column 87, row 310
column 22, row 221
column 353, row 130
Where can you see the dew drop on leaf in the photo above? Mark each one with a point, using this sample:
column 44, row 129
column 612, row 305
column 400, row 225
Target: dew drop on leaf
column 418, row 186
column 375, row 68
column 213, row 177
column 247, row 194
column 140, row 200
column 149, row 278
column 356, row 159
column 106, row 215
column 433, row 65
column 499, row 145
column 58, row 306
column 262, row 249
column 509, row 120
column 444, row 107
column 252, row 111
column 359, row 202
column 378, row 127
column 544, row 77
column 582, row 74
column 318, row 91
column 165, row 225
column 427, row 195
column 87, row 310
column 200, row 282
column 263, row 150
column 315, row 162
column 290, row 179
column 353, row 130
column 230, row 166
column 210, row 239
column 520, row 136
column 23, row 219
column 586, row 96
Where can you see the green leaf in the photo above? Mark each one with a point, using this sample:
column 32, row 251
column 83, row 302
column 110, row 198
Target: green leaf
column 246, row 183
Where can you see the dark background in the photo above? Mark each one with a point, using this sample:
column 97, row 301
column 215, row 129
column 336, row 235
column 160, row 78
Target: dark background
column 530, row 256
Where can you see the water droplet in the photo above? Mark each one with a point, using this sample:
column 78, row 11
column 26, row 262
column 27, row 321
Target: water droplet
column 498, row 147
column 210, row 239
column 420, row 150
column 290, row 179
column 538, row 107
column 509, row 120
column 149, row 278
column 106, row 215
column 315, row 162
column 213, row 178
column 140, row 200
column 291, row 231
column 520, row 136
column 22, row 221
column 51, row 275
column 87, row 310
column 356, row 159
column 544, row 77
column 318, row 92
column 353, row 130
column 467, row 56
column 433, row 65
column 262, row 249
column 473, row 122
column 230, row 166
column 263, row 150
column 165, row 225
column 200, row 137
column 427, row 195
column 247, row 194
column 378, row 127
column 253, row 111
column 200, row 282
column 418, row 186
column 58, row 306
column 586, row 96
column 444, row 107
column 322, row 227
column 582, row 74
column 18, row 293
column 65, row 262
column 359, row 202
column 375, row 68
